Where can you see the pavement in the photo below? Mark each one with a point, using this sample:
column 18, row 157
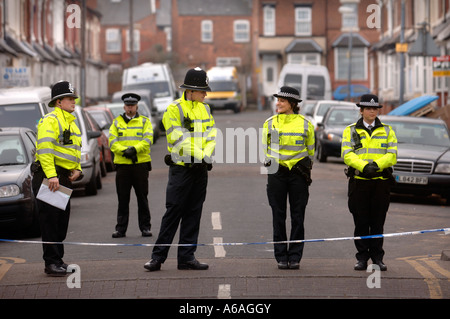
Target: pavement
column 421, row 277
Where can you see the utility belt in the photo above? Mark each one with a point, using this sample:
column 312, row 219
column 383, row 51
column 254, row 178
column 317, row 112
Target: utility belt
column 351, row 172
column 37, row 167
column 169, row 162
column 302, row 167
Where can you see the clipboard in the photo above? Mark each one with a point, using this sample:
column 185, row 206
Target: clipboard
column 58, row 199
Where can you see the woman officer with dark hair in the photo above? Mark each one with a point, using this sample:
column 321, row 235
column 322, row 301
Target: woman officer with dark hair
column 288, row 140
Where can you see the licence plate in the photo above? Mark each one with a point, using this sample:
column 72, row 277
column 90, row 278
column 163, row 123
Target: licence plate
column 411, row 179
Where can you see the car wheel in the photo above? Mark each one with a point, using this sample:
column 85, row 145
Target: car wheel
column 320, row 155
column 91, row 187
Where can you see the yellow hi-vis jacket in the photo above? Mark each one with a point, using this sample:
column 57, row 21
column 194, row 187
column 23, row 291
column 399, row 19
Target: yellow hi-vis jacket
column 288, row 138
column 380, row 147
column 190, row 131
column 138, row 132
column 50, row 150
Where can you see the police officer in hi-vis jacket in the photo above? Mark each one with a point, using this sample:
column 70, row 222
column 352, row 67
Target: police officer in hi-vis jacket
column 369, row 148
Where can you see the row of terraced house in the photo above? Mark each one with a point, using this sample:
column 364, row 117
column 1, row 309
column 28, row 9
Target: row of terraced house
column 41, row 40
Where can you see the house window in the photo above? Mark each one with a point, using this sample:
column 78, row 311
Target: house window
column 359, row 63
column 269, row 20
column 207, row 31
column 304, row 58
column 136, row 40
column 241, row 31
column 350, row 19
column 303, row 21
column 113, row 41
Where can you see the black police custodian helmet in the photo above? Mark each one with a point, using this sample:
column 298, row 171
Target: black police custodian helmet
column 369, row 100
column 60, row 90
column 289, row 93
column 196, row 79
column 130, row 98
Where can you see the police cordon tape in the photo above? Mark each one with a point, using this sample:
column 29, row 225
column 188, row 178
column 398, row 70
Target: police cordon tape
column 445, row 230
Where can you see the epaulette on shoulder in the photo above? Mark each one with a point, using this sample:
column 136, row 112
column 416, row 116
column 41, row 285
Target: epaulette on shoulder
column 270, row 118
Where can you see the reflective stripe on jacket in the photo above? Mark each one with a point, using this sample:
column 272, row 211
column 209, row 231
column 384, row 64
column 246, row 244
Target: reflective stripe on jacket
column 50, row 150
column 380, row 147
column 288, row 138
column 190, row 131
column 138, row 132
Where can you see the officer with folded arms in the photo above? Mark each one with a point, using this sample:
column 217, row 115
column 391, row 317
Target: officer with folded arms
column 130, row 139
column 58, row 157
column 369, row 148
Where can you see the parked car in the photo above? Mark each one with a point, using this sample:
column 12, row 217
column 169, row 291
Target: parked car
column 423, row 161
column 321, row 108
column 106, row 159
column 23, row 106
column 18, row 207
column 90, row 155
column 329, row 131
column 103, row 116
column 307, row 107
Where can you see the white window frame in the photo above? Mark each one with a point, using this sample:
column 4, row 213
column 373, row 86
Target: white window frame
column 350, row 20
column 338, row 65
column 207, row 31
column 304, row 58
column 269, row 19
column 299, row 22
column 113, row 40
column 136, row 40
column 241, row 36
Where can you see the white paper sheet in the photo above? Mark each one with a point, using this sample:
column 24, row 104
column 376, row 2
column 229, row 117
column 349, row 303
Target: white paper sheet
column 59, row 199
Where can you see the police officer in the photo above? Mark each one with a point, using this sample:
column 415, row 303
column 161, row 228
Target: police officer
column 130, row 139
column 288, row 140
column 369, row 148
column 58, row 156
column 190, row 132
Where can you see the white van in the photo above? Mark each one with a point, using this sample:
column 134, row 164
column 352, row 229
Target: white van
column 156, row 77
column 24, row 106
column 312, row 81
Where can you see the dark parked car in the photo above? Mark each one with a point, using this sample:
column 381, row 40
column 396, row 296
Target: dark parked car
column 18, row 208
column 423, row 161
column 329, row 131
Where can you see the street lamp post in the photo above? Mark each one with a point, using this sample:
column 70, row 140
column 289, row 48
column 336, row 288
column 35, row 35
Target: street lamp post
column 343, row 10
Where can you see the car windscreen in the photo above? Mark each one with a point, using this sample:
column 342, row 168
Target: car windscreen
column 341, row 117
column 158, row 89
column 221, row 86
column 315, row 87
column 421, row 133
column 24, row 115
column 323, row 108
column 12, row 151
column 294, row 80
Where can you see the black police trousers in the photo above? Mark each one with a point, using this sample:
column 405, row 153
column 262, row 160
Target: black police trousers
column 127, row 177
column 281, row 185
column 368, row 201
column 185, row 194
column 54, row 222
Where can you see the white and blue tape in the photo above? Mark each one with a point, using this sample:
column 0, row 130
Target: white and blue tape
column 409, row 233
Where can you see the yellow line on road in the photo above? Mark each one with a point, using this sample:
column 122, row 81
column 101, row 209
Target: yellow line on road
column 5, row 265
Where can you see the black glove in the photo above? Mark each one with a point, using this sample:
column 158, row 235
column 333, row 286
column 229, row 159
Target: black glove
column 370, row 170
column 130, row 152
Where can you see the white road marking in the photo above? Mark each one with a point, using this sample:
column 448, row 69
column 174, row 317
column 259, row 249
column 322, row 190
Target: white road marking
column 219, row 250
column 224, row 292
column 216, row 221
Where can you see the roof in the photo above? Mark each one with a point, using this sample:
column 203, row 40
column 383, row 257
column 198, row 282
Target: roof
column 303, row 45
column 117, row 13
column 214, row 7
column 357, row 40
column 413, row 105
column 18, row 95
